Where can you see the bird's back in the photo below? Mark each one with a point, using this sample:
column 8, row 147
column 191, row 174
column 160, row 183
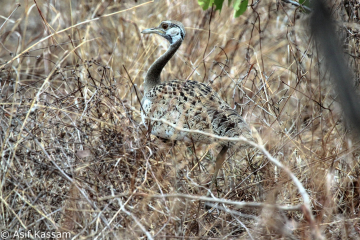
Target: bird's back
column 195, row 106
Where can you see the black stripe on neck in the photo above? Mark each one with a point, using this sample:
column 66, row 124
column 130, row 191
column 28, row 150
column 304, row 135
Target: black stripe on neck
column 181, row 31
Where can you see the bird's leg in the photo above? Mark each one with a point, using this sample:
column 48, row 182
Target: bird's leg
column 219, row 162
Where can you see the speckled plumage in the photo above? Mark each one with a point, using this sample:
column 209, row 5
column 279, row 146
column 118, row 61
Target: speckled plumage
column 192, row 105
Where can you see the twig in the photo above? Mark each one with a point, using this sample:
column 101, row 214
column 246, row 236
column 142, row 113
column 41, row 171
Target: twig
column 297, row 4
column 7, row 19
column 214, row 200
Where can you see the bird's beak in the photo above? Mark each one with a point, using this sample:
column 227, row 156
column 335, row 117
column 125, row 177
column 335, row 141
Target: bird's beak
column 153, row 30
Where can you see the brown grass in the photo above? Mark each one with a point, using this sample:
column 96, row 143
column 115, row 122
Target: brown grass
column 75, row 159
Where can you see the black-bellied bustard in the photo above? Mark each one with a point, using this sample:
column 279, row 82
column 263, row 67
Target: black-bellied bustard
column 187, row 104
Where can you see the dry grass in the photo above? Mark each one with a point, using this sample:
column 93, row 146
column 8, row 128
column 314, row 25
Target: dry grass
column 75, row 159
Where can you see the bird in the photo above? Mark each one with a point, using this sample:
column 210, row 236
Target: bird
column 188, row 104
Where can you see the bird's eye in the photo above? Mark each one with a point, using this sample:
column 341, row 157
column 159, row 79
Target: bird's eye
column 165, row 26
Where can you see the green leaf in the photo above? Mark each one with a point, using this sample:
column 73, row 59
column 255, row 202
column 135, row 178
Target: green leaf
column 219, row 4
column 240, row 7
column 229, row 2
column 205, row 4
column 305, row 3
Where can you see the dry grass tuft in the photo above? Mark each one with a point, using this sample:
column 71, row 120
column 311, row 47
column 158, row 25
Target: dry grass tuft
column 74, row 158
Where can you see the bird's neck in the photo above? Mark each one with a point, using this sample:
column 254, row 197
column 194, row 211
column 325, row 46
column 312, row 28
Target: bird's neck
column 153, row 74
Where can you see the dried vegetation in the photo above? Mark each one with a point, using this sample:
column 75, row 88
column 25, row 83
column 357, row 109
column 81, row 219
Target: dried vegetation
column 74, row 157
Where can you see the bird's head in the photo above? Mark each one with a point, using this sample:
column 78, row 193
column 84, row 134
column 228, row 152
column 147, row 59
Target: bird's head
column 171, row 30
